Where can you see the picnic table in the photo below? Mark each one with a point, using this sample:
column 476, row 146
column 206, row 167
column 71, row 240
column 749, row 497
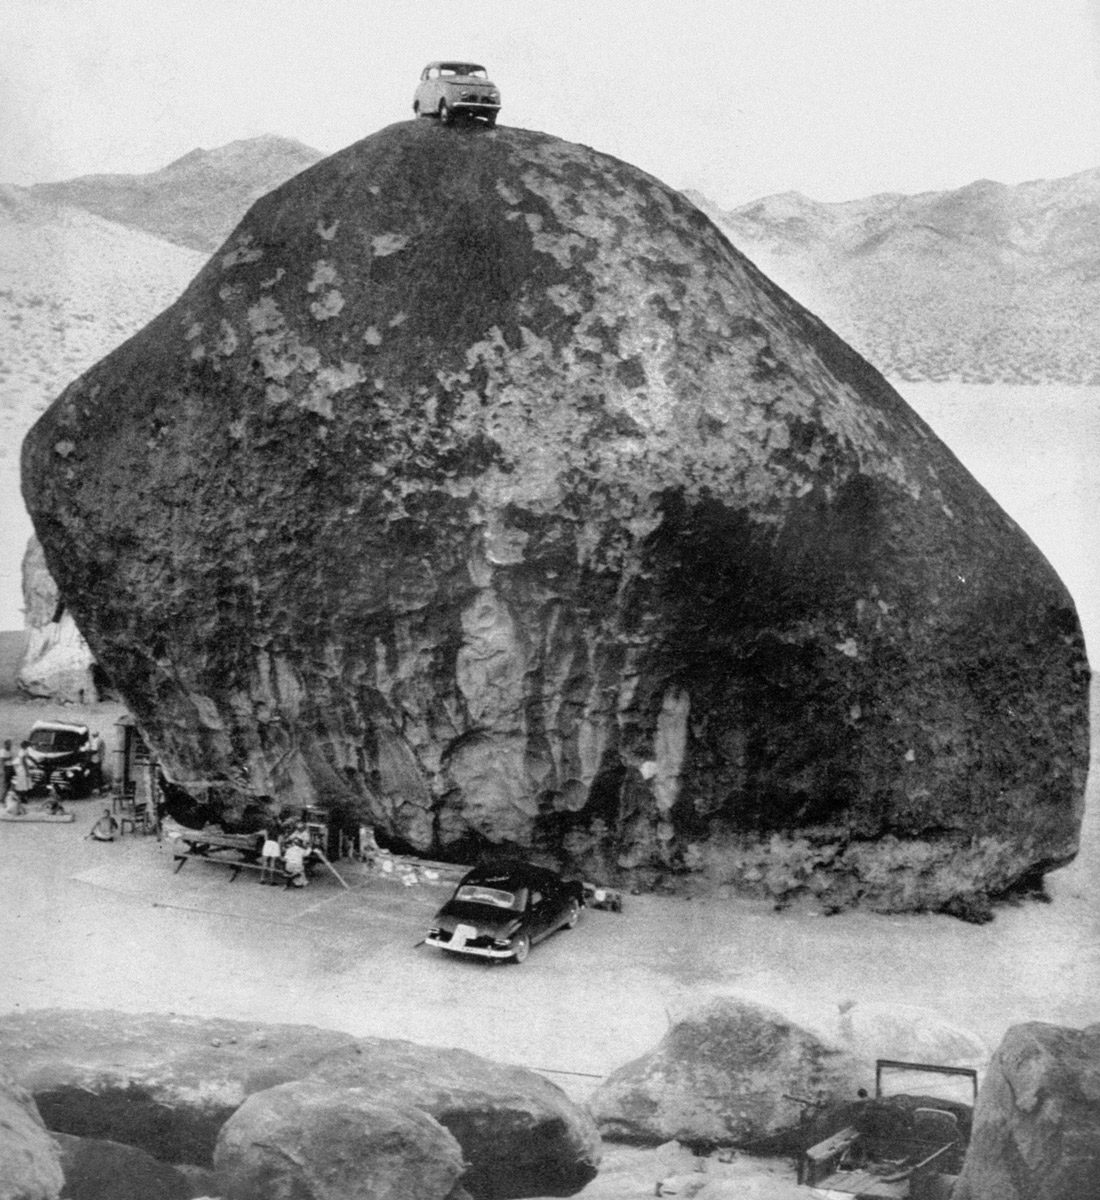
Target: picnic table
column 237, row 851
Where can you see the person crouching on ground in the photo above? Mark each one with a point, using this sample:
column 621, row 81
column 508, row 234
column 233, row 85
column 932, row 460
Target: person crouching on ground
column 270, row 852
column 294, row 863
column 105, row 828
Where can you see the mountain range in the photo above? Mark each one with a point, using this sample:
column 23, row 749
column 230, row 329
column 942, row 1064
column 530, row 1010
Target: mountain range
column 195, row 201
column 987, row 283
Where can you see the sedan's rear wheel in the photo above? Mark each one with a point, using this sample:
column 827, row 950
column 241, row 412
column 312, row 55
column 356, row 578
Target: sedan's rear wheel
column 416, row 108
column 574, row 915
column 444, row 113
column 521, row 947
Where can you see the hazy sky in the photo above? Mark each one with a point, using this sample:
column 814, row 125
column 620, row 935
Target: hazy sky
column 740, row 98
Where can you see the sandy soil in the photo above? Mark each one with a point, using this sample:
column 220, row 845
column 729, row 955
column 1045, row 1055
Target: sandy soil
column 91, row 925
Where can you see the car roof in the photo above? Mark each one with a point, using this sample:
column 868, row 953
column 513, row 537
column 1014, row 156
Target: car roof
column 59, row 726
column 453, row 63
column 510, row 876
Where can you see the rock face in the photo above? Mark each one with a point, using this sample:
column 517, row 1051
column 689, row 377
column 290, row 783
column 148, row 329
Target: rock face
column 1037, row 1124
column 168, row 1085
column 302, row 1141
column 478, row 488
column 30, row 1164
column 57, row 664
column 718, row 1077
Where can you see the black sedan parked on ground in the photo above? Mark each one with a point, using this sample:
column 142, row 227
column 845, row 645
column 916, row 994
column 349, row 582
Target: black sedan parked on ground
column 500, row 912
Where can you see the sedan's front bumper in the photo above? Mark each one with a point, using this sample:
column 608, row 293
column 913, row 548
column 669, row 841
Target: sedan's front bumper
column 462, row 946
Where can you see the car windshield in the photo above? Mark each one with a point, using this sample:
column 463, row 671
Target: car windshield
column 464, row 69
column 497, row 897
column 910, row 1080
column 56, row 739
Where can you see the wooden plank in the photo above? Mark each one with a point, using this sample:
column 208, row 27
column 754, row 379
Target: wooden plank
column 864, row 1184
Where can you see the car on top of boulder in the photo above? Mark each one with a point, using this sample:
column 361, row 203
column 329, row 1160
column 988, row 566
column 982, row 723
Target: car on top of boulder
column 61, row 753
column 451, row 89
column 500, row 911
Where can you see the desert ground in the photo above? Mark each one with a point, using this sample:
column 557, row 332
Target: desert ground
column 112, row 926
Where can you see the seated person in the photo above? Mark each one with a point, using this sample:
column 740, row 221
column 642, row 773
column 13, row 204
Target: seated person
column 105, row 828
column 294, row 863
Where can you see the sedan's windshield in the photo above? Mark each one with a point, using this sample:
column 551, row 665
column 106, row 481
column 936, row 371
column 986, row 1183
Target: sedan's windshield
column 463, row 69
column 498, row 898
column 66, row 740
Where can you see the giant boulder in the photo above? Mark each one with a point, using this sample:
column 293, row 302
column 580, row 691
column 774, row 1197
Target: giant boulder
column 1037, row 1123
column 479, row 489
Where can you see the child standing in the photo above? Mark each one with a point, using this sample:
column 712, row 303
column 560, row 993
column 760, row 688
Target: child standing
column 269, row 857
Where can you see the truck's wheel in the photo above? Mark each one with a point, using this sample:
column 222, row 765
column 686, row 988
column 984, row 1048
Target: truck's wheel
column 444, row 113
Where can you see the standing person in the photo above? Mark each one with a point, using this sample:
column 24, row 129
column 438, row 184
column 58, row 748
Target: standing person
column 99, row 753
column 270, row 853
column 21, row 779
column 7, row 758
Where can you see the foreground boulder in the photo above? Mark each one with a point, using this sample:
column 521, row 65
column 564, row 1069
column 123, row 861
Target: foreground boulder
column 165, row 1084
column 102, row 1170
column 520, row 1133
column 1037, row 1124
column 168, row 1084
column 30, row 1163
column 906, row 1032
column 722, row 1076
column 479, row 489
column 305, row 1141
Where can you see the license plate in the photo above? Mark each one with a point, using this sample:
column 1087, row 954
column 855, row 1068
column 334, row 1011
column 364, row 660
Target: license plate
column 462, row 935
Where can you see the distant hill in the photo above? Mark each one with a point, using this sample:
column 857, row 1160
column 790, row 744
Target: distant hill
column 73, row 286
column 85, row 264
column 195, row 201
column 986, row 283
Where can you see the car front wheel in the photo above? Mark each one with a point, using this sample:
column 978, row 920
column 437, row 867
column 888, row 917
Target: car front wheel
column 416, row 108
column 521, row 947
column 573, row 915
column 444, row 113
